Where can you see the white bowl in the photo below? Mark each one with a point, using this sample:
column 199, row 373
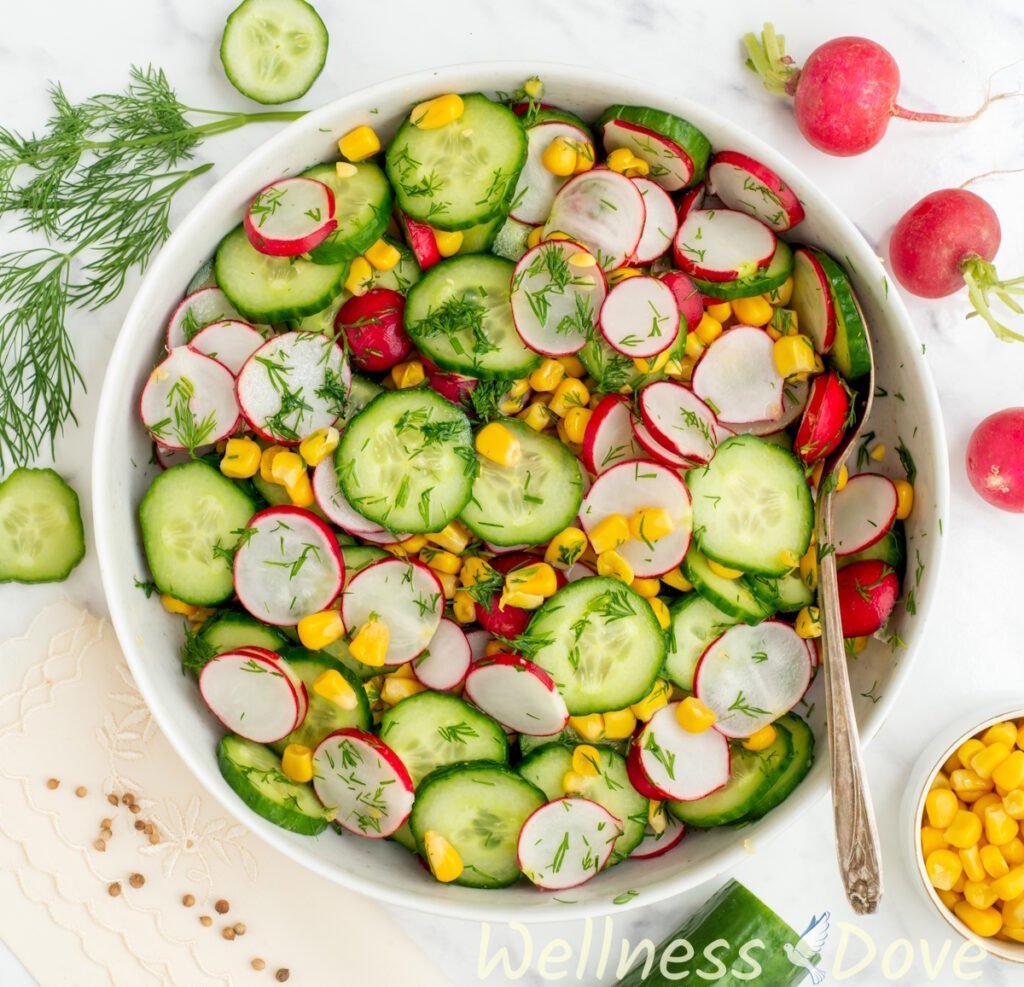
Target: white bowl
column 151, row 638
column 925, row 768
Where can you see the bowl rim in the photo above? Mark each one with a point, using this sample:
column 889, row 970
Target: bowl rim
column 222, row 196
column 1011, row 952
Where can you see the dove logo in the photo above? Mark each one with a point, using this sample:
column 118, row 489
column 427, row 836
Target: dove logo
column 810, row 944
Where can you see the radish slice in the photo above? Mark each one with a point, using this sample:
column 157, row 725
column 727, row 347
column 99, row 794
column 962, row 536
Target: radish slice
column 602, row 210
column 794, row 400
column 272, row 656
column 289, row 565
column 290, row 217
column 446, row 661
column 655, row 844
column 609, row 438
column 658, row 452
column 189, row 401
column 294, row 367
column 692, row 198
column 812, row 300
column 578, row 571
column 421, row 240
column 407, row 596
column 166, row 458
column 677, row 418
column 537, row 187
column 868, row 591
column 229, row 342
column 565, row 843
column 197, row 311
column 680, row 765
column 518, row 694
column 751, row 187
column 863, row 512
column 639, row 318
column 737, row 378
column 750, row 676
column 384, row 537
column 478, row 641
column 363, row 782
column 555, row 301
column 671, row 167
column 722, row 245
column 660, row 223
column 633, row 486
column 824, row 418
column 689, row 300
column 330, row 498
column 252, row 695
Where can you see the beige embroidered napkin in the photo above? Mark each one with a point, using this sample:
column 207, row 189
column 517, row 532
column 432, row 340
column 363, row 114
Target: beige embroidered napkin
column 74, row 732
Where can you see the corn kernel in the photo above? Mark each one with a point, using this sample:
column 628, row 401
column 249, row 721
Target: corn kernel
column 517, row 598
column 1013, row 852
column 535, row 236
column 982, row 921
column 612, row 564
column 383, row 256
column 565, row 548
column 267, row 462
column 576, row 421
column 441, row 561
column 808, row 622
column 370, row 644
column 754, row 311
column 708, row 329
column 661, row 612
column 638, row 168
column 656, row 699
column 676, row 579
column 793, row 355
column 941, row 780
column 442, row 858
column 589, row 727
column 538, row 579
column 967, row 750
column 316, row 447
column 1013, row 803
column 463, row 607
column 877, row 452
column 1013, row 913
column 1009, row 773
column 586, row 760
column 843, row 477
column 985, row 761
column 241, row 459
column 968, row 785
column 173, row 605
column 931, row 840
column 406, row 548
column 993, row 861
column 408, row 374
column 359, row 144
column 438, row 112
column 964, row 830
column 656, row 820
column 999, row 827
column 620, row 159
column 694, row 716
column 318, row 630
column 609, row 533
column 398, row 687
column 300, row 493
column 904, row 499
column 721, row 312
column 335, row 688
column 655, row 365
column 449, row 242
column 651, row 524
column 1010, row 885
column 783, row 294
column 497, row 443
column 789, row 558
column 559, row 157
column 570, row 393
column 949, row 898
column 694, row 348
column 724, row 571
column 761, row 739
column 537, row 416
column 943, row 868
column 475, row 570
column 574, row 783
column 584, row 157
column 619, row 724
column 287, row 468
column 452, row 537
column 495, row 647
column 360, row 276
column 979, row 807
column 941, row 807
column 647, row 588
column 973, row 867
column 297, row 763
column 449, row 583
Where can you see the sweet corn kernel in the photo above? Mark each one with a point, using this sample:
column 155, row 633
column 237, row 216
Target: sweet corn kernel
column 537, row 416
column 964, row 830
column 647, row 588
column 943, row 868
column 612, row 564
column 968, row 785
column 449, row 242
column 619, row 724
column 300, row 493
column 589, row 727
column 656, row 820
column 651, row 524
column 1013, row 803
column 1005, row 732
column 694, row 716
column 1009, row 773
column 442, row 858
column 793, row 355
column 241, row 459
column 449, row 583
column 359, row 143
column 981, row 921
column 405, row 671
column 655, row 365
column 993, row 861
column 267, row 462
column 949, row 898
column 318, row 630
column 941, row 780
column 985, row 761
column 966, row 751
column 609, row 533
column 1020, row 735
column 287, row 468
column 360, row 276
column 407, row 548
column 843, row 477
column 495, row 647
column 370, row 644
column 538, row 579
column 979, row 807
column 789, row 558
column 783, row 294
column 721, row 312
column 398, row 687
column 408, row 374
column 497, row 443
column 931, row 840
column 724, row 571
column 571, row 393
column 383, row 256
column 463, row 607
column 808, row 622
column 1013, row 913
column 437, row 112
column 574, row 783
column 941, row 806
column 638, row 168
column 661, row 612
column 999, row 827
column 1013, row 852
column 877, row 452
column 586, row 760
column 676, row 579
column 620, row 159
column 316, row 447
column 517, row 598
column 475, row 570
column 452, row 537
column 576, row 421
column 297, row 763
column 535, row 236
column 904, row 499
column 584, row 157
column 344, row 169
column 656, row 699
column 680, row 369
column 708, row 329
column 559, row 157
column 441, row 561
column 335, row 688
column 973, row 867
column 694, row 348
column 753, row 311
column 761, row 739
column 173, row 605
column 565, row 548
column 1010, row 885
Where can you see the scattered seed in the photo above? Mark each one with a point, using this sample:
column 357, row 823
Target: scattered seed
column 134, row 809
column 106, row 833
column 282, row 975
column 127, row 799
column 114, row 889
column 136, row 880
column 112, row 798
column 222, row 906
column 139, row 824
column 100, row 845
column 239, row 928
column 153, row 839
column 188, row 900
column 258, row 964
column 148, row 827
column 52, row 784
column 81, row 791
column 228, row 933
column 205, row 920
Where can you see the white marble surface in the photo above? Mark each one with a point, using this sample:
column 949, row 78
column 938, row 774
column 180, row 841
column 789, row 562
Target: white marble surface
column 947, row 58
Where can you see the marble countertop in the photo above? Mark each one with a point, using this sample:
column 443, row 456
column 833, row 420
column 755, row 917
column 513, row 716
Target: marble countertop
column 972, row 652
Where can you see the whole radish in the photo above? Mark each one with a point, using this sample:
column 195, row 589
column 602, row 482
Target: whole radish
column 947, row 241
column 844, row 95
column 995, row 460
column 374, row 328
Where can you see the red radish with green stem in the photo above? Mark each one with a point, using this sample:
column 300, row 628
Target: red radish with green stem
column 845, row 93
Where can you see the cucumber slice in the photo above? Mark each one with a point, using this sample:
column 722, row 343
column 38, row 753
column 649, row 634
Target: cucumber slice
column 273, row 50
column 462, row 174
column 203, row 278
column 612, row 371
column 850, row 353
column 891, row 548
column 403, row 275
column 322, row 321
column 433, row 729
column 794, row 771
column 479, row 809
column 358, row 557
column 531, row 501
column 696, row 622
column 528, row 743
column 510, row 240
column 779, row 268
column 546, row 767
column 254, row 773
column 403, row 837
column 41, row 535
column 323, row 716
column 361, row 392
column 273, row 289
column 406, row 461
column 460, row 315
column 580, row 637
column 362, row 208
column 732, row 596
column 787, row 593
column 340, row 653
column 752, row 773
column 479, row 239
column 230, row 630
column 189, row 511
column 752, row 507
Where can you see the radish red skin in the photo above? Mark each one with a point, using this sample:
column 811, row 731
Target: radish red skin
column 930, row 242
column 453, row 387
column 374, row 326
column 824, row 418
column 509, row 622
column 995, row 460
column 868, row 591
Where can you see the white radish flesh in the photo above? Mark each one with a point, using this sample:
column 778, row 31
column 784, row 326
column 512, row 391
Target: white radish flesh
column 812, row 300
column 537, row 187
column 478, row 640
column 565, row 843
column 518, row 694
column 634, row 486
column 681, row 765
column 743, row 183
column 253, row 696
column 722, row 244
column 288, row 567
column 446, row 661
column 671, row 166
column 655, row 844
column 660, row 223
column 294, row 367
column 609, row 435
column 737, row 377
column 602, row 210
column 363, row 782
column 406, row 596
column 197, row 311
column 330, row 498
column 750, row 676
column 677, row 418
column 578, row 571
column 863, row 512
column 229, row 342
column 794, row 400
column 639, row 318
column 189, row 401
column 290, row 217
column 656, row 450
column 267, row 655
